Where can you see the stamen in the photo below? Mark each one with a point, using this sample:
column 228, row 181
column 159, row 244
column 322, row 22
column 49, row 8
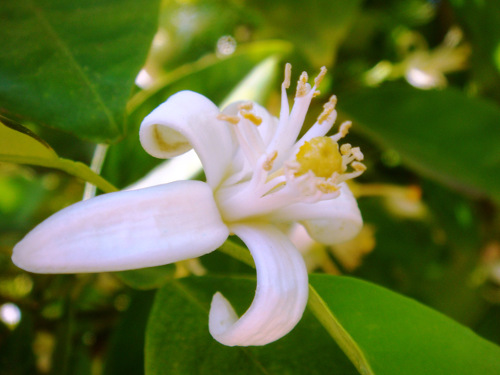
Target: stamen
column 247, row 106
column 329, row 107
column 358, row 167
column 343, row 130
column 256, row 120
column 268, row 164
column 288, row 75
column 321, row 75
column 358, row 155
column 231, row 119
column 345, row 149
column 302, row 86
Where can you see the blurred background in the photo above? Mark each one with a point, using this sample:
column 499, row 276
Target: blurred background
column 420, row 81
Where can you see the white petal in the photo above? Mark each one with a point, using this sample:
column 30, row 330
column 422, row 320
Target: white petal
column 280, row 297
column 189, row 120
column 330, row 221
column 126, row 230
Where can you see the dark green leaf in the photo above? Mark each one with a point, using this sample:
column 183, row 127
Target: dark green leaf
column 147, row 278
column 72, row 65
column 444, row 134
column 178, row 341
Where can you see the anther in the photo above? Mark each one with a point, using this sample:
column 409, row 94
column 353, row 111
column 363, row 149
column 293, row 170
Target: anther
column 268, row 164
column 319, row 78
column 328, row 108
column 302, row 88
column 344, row 128
column 356, row 152
column 345, row 149
column 247, row 106
column 256, row 120
column 231, row 119
column 288, row 75
column 358, row 167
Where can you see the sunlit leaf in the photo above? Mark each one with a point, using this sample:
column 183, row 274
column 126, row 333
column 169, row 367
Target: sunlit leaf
column 396, row 335
column 19, row 145
column 72, row 65
column 443, row 134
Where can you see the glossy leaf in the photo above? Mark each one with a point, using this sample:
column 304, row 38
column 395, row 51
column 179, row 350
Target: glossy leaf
column 396, row 335
column 19, row 145
column 443, row 134
column 178, row 341
column 72, row 65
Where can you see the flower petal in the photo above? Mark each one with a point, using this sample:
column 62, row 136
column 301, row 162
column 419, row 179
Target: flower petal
column 126, row 230
column 330, row 221
column 186, row 120
column 280, row 297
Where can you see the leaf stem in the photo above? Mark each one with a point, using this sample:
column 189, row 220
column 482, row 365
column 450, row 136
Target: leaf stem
column 96, row 166
column 71, row 167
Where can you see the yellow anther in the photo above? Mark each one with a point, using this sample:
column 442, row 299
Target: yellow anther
column 268, row 164
column 247, row 106
column 358, row 167
column 251, row 117
column 319, row 78
column 232, row 119
column 344, row 128
column 321, row 156
column 326, row 187
column 345, row 149
column 328, row 108
column 302, row 88
column 358, row 155
column 288, row 75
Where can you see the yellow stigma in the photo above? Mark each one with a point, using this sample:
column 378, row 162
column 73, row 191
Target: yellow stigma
column 321, row 156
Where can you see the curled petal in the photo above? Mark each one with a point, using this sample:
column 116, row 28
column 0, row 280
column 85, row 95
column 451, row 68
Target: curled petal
column 330, row 221
column 189, row 120
column 126, row 230
column 280, row 297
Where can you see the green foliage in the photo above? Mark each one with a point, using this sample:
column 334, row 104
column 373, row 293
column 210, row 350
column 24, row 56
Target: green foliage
column 429, row 198
column 442, row 134
column 84, row 45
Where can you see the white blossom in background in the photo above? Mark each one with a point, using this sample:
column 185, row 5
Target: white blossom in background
column 259, row 177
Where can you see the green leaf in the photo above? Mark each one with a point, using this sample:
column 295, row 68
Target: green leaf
column 443, row 134
column 178, row 341
column 323, row 25
column 147, row 278
column 386, row 333
column 126, row 347
column 19, row 145
column 72, row 65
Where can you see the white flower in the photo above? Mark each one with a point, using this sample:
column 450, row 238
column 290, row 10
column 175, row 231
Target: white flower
column 258, row 178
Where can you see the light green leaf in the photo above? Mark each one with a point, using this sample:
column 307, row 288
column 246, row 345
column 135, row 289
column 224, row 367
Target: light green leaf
column 444, row 134
column 385, row 333
column 178, row 341
column 19, row 145
column 72, row 65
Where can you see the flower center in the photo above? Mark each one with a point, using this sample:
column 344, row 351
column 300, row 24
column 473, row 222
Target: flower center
column 321, row 156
